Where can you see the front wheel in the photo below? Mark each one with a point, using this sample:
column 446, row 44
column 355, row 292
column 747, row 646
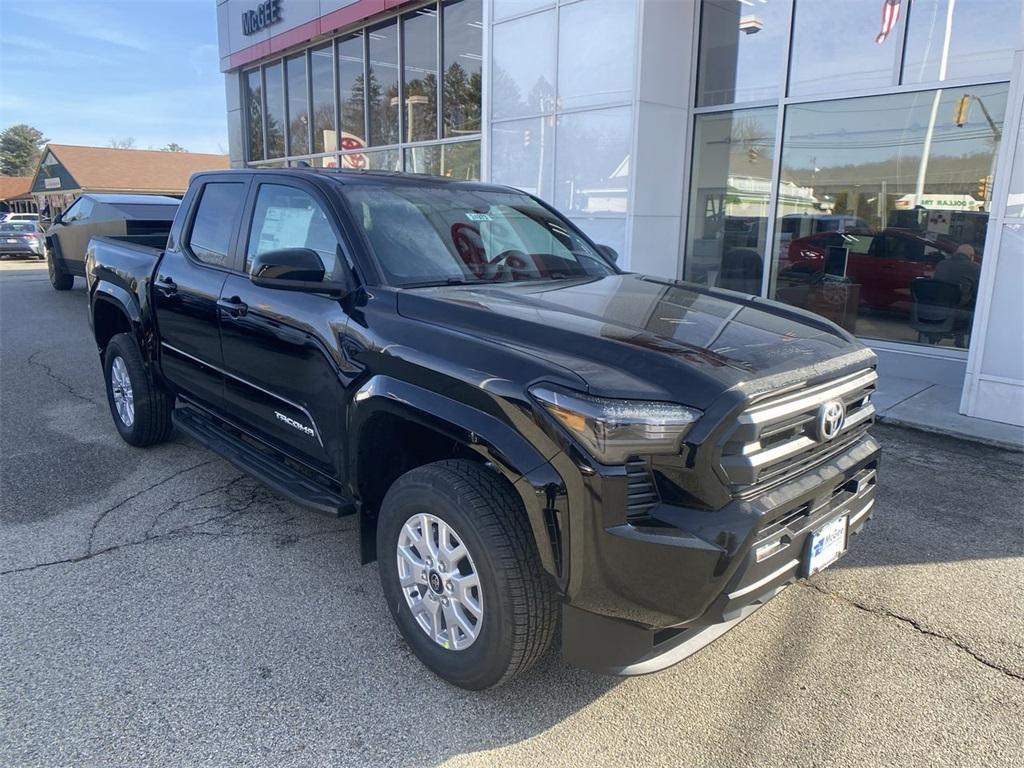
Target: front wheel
column 461, row 574
column 141, row 411
column 59, row 279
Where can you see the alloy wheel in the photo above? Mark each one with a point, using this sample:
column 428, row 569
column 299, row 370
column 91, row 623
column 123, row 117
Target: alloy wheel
column 121, row 386
column 440, row 581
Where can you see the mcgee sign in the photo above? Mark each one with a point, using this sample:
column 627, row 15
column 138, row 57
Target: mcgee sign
column 266, row 13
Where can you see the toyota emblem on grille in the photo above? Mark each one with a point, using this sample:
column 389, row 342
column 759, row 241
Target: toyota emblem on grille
column 831, row 416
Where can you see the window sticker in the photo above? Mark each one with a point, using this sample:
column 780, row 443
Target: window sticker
column 478, row 216
column 284, row 228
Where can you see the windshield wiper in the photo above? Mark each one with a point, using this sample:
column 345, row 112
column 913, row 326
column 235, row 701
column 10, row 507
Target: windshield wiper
column 441, row 282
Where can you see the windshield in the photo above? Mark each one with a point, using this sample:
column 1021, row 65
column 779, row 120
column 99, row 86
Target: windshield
column 446, row 235
column 18, row 226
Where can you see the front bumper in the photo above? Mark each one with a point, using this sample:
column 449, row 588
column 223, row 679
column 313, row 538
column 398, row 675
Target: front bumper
column 650, row 596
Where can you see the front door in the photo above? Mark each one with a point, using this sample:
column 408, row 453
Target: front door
column 285, row 372
column 187, row 286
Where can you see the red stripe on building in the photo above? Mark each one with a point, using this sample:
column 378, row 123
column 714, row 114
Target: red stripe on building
column 343, row 17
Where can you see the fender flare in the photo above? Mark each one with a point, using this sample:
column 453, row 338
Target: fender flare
column 527, row 470
column 111, row 293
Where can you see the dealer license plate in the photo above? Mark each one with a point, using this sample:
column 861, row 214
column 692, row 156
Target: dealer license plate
column 827, row 544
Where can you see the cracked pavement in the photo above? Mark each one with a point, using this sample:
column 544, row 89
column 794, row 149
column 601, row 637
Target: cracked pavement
column 159, row 608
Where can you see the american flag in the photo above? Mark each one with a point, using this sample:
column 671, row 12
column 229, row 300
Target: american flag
column 890, row 15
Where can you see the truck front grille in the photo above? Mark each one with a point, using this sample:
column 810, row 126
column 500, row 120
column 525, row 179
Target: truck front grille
column 778, row 436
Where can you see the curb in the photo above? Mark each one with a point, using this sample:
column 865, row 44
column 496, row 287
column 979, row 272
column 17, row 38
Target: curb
column 992, row 442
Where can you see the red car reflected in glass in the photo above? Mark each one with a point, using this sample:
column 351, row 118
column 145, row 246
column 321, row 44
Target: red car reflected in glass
column 883, row 263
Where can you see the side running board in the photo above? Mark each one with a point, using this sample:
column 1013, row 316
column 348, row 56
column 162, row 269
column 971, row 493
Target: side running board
column 261, row 465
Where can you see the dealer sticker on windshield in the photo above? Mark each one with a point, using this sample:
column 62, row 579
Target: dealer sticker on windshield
column 478, row 216
column 827, row 544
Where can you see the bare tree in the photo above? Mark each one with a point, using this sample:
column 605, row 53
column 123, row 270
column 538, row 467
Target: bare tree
column 127, row 143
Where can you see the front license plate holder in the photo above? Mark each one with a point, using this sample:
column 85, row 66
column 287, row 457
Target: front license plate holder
column 826, row 544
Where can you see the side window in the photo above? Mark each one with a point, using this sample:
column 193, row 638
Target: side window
column 287, row 217
column 220, row 205
column 84, row 211
column 72, row 213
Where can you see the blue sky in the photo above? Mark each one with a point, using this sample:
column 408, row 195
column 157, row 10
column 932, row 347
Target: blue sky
column 86, row 72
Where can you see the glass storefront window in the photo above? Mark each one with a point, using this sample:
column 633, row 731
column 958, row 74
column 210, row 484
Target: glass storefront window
column 1015, row 200
column 522, row 154
column 982, row 37
column 592, row 162
column 460, row 160
column 383, row 84
column 463, row 41
column 524, row 85
column 351, row 92
column 729, row 197
column 841, row 46
column 419, row 48
column 373, row 160
column 292, row 115
column 321, row 70
column 274, row 79
column 254, row 114
column 883, row 209
column 298, row 105
column 742, row 54
column 599, row 33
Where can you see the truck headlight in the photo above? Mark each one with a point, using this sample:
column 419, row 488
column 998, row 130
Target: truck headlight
column 614, row 430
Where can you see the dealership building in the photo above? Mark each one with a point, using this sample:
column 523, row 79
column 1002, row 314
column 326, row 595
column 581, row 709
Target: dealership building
column 861, row 159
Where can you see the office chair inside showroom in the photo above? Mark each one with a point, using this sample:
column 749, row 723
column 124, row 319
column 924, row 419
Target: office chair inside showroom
column 935, row 313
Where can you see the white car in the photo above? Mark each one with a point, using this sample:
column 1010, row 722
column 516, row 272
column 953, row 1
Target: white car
column 33, row 217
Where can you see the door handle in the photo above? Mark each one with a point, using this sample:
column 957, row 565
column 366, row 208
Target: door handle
column 234, row 306
column 166, row 285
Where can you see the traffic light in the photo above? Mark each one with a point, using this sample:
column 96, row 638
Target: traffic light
column 526, row 137
column 984, row 187
column 963, row 107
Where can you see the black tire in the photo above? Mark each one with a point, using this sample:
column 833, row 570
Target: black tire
column 520, row 605
column 59, row 279
column 151, row 421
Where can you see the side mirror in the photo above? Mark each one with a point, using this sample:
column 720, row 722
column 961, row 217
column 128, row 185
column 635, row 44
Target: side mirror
column 59, row 218
column 293, row 269
column 609, row 253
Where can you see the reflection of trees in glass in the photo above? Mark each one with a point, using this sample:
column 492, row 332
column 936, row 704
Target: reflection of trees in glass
column 352, row 108
column 540, row 99
column 462, row 161
column 752, row 141
column 421, row 114
column 462, row 99
column 255, row 123
column 323, row 120
column 275, row 137
column 298, row 134
column 383, row 111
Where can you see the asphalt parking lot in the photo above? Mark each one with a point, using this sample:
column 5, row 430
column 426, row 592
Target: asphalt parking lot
column 158, row 608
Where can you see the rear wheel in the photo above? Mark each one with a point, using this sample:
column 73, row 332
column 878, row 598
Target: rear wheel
column 461, row 574
column 141, row 411
column 59, row 279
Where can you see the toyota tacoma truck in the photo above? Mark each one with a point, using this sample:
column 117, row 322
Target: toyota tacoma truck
column 536, row 443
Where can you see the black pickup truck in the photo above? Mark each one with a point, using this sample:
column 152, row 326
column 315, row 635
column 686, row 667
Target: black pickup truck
column 531, row 438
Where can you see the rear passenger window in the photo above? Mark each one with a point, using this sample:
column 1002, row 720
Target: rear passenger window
column 286, row 217
column 220, row 205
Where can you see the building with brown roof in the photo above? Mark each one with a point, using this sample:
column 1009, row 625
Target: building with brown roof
column 66, row 171
column 16, row 194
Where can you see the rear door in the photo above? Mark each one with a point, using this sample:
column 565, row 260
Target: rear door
column 286, row 374
column 187, row 287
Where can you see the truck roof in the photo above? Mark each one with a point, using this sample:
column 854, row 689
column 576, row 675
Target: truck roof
column 352, row 176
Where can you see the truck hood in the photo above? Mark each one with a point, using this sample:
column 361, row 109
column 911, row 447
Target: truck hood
column 633, row 336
